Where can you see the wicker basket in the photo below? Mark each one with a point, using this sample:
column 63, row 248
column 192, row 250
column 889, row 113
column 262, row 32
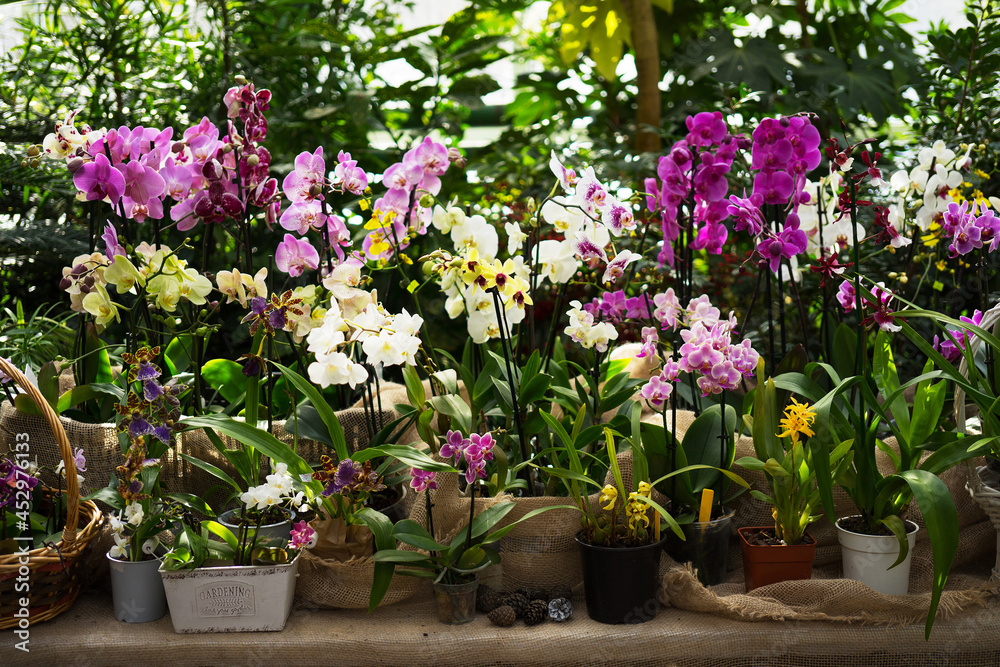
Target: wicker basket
column 53, row 573
column 988, row 498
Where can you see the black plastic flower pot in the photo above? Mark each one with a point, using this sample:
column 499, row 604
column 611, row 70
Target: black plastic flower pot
column 620, row 584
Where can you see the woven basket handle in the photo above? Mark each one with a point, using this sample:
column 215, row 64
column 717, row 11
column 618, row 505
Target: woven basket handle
column 65, row 450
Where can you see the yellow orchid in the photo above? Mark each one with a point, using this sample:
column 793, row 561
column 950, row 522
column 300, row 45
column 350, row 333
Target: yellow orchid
column 99, row 304
column 166, row 289
column 645, row 489
column 231, row 284
column 636, row 512
column 123, row 275
column 609, row 494
column 798, row 418
column 473, row 268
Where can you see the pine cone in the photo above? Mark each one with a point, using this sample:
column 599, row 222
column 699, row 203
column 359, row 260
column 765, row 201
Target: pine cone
column 536, row 613
column 561, row 592
column 538, row 594
column 560, row 609
column 517, row 602
column 503, row 616
column 487, row 599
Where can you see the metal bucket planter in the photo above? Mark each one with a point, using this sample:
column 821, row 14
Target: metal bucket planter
column 249, row 598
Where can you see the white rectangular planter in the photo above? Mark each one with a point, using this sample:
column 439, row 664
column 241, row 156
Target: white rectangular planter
column 230, row 599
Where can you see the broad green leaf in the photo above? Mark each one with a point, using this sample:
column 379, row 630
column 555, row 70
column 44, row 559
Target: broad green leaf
column 322, row 407
column 226, row 377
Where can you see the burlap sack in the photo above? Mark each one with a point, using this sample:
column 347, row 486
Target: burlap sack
column 827, row 596
column 538, row 553
column 338, row 572
column 98, row 441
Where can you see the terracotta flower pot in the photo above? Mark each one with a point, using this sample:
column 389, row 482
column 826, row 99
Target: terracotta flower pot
column 768, row 564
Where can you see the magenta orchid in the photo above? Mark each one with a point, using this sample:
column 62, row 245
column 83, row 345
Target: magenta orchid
column 98, row 180
column 422, row 480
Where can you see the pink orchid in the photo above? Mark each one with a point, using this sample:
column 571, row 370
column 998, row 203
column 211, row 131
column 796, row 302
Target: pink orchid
column 303, row 215
column 176, row 179
column 293, row 256
column 431, row 156
column 112, row 246
column 309, row 171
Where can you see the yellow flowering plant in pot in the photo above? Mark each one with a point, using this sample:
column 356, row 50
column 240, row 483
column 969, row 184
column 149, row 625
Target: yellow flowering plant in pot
column 781, row 452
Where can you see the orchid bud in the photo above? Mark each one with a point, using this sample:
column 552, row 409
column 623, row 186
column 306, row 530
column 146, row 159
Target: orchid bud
column 33, row 151
column 240, row 80
column 24, row 164
column 35, row 163
column 177, row 147
column 74, row 165
column 531, row 206
column 89, row 281
column 65, row 283
column 315, row 190
column 456, row 157
column 784, row 121
column 426, row 201
column 85, row 289
column 78, row 270
column 253, row 160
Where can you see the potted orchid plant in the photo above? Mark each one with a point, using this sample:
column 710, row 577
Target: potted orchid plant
column 786, row 550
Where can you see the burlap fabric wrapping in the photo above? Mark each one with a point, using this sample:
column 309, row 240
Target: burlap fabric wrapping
column 337, row 573
column 540, row 552
column 826, row 596
column 98, row 441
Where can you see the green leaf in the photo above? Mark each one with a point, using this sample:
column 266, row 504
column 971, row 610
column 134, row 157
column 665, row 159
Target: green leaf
column 226, row 377
column 471, row 558
column 309, row 424
column 455, row 407
column 217, row 528
column 941, row 520
column 255, row 437
column 219, row 473
column 482, row 524
column 178, row 355
column 322, row 407
column 192, row 502
column 887, row 381
column 414, row 387
column 412, row 533
column 381, row 529
column 412, row 457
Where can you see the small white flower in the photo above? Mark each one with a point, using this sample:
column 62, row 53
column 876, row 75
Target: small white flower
column 120, row 548
column 134, row 514
column 116, row 522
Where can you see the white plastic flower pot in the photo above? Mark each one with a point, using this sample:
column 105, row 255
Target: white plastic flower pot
column 867, row 558
column 275, row 534
column 231, row 599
